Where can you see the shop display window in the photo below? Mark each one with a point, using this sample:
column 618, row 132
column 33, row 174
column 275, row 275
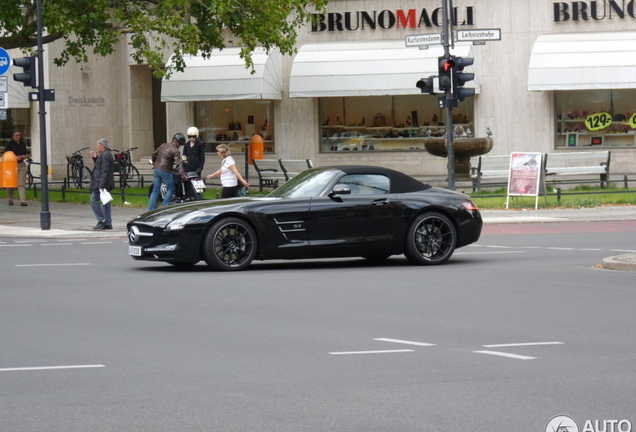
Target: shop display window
column 596, row 118
column 12, row 119
column 387, row 123
column 234, row 122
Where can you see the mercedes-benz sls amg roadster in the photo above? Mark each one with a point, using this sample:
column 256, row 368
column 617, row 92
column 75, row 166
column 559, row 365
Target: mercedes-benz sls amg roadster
column 326, row 212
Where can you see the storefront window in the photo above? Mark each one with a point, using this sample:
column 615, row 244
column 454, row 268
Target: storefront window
column 234, row 122
column 596, row 118
column 387, row 123
column 12, row 119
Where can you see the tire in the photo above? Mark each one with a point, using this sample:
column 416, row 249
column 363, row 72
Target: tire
column 29, row 180
column 229, row 244
column 87, row 176
column 431, row 239
column 131, row 179
column 76, row 176
column 192, row 195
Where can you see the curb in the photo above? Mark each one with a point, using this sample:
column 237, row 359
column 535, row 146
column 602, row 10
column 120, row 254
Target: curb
column 625, row 262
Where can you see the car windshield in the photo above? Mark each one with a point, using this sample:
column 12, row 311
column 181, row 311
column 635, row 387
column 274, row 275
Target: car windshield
column 307, row 184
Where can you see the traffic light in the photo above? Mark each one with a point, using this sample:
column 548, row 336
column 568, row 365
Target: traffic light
column 426, row 85
column 446, row 66
column 27, row 78
column 460, row 78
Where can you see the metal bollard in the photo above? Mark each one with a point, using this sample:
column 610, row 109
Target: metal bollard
column 558, row 191
column 625, row 181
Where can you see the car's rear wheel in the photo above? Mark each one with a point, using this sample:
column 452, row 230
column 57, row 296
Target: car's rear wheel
column 229, row 244
column 431, row 239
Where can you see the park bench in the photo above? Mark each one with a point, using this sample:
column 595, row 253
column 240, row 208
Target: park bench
column 578, row 167
column 292, row 168
column 270, row 173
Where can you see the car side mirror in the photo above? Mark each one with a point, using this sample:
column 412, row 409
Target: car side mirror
column 341, row 189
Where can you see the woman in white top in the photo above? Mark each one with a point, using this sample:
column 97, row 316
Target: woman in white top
column 230, row 175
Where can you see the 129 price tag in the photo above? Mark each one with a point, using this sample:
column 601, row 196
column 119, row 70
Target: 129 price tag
column 598, row 121
column 632, row 121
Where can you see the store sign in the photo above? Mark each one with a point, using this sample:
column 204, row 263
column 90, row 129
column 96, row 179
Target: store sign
column 87, row 101
column 594, row 10
column 388, row 19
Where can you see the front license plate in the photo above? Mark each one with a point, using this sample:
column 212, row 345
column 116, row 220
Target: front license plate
column 198, row 185
column 134, row 250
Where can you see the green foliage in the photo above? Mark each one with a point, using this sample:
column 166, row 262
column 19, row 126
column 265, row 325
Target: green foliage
column 185, row 27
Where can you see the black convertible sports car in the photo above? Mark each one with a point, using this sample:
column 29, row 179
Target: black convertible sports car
column 327, row 212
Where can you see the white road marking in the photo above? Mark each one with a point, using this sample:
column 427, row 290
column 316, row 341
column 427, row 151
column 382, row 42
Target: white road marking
column 52, row 265
column 488, row 253
column 559, row 248
column 404, row 342
column 499, row 247
column 94, row 243
column 14, row 245
column 51, row 368
column 522, row 344
column 502, row 354
column 622, row 250
column 56, row 244
column 371, row 352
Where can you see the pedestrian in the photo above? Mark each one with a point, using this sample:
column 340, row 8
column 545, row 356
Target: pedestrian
column 18, row 147
column 164, row 161
column 103, row 180
column 230, row 175
column 194, row 152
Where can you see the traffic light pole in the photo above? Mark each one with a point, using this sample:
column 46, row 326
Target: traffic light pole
column 45, row 215
column 448, row 100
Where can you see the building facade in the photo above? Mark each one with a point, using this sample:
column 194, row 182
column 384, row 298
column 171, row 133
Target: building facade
column 349, row 96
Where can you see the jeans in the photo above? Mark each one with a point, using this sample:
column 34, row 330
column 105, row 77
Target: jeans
column 102, row 211
column 161, row 177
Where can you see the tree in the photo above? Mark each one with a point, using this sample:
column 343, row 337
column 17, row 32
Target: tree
column 185, row 27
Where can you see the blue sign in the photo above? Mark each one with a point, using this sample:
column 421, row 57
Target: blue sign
column 5, row 61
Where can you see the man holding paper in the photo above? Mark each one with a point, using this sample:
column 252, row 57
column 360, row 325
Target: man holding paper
column 102, row 183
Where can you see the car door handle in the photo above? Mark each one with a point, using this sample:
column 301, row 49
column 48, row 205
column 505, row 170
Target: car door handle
column 381, row 201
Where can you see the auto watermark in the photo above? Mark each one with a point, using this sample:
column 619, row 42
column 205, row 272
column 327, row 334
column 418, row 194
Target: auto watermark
column 565, row 423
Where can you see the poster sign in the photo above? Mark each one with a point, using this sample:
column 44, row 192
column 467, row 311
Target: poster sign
column 525, row 176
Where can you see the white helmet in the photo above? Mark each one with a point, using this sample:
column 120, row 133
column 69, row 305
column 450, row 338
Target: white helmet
column 192, row 131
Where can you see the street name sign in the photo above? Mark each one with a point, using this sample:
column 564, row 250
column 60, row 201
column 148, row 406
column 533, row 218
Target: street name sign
column 425, row 39
column 478, row 35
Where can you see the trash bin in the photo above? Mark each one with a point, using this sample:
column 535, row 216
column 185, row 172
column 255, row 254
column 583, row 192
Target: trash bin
column 9, row 170
column 256, row 148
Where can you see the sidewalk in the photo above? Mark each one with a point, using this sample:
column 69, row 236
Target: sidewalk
column 70, row 220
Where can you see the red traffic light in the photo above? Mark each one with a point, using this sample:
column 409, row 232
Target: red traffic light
column 448, row 65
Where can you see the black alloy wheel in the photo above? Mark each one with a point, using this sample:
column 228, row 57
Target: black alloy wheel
column 230, row 244
column 431, row 239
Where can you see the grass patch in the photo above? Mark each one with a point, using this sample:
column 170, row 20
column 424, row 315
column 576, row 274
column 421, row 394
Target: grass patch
column 580, row 196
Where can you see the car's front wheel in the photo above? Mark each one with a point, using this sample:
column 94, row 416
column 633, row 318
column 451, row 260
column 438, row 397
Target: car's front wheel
column 431, row 239
column 229, row 244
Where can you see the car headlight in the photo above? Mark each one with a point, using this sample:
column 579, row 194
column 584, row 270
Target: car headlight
column 180, row 222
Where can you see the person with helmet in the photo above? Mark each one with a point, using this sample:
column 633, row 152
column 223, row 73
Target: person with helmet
column 164, row 159
column 194, row 152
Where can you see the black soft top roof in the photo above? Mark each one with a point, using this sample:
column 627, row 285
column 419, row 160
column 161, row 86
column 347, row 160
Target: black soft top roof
column 400, row 183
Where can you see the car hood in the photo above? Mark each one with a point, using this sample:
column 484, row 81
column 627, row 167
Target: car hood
column 164, row 215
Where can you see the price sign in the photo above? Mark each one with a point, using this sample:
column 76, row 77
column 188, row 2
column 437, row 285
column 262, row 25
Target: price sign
column 632, row 121
column 598, row 121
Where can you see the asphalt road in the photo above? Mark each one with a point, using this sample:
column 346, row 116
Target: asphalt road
column 510, row 332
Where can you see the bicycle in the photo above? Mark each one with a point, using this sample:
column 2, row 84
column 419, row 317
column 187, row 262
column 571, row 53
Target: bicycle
column 128, row 174
column 76, row 171
column 30, row 178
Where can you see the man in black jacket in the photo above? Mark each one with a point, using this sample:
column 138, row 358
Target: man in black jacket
column 103, row 179
column 194, row 152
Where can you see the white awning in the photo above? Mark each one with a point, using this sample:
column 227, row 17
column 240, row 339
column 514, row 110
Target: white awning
column 583, row 61
column 369, row 68
column 224, row 77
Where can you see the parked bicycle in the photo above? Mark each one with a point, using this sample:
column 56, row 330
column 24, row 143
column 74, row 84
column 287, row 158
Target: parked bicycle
column 76, row 172
column 128, row 173
column 30, row 177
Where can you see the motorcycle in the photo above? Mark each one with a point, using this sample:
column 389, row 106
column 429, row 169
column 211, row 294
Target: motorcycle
column 188, row 187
